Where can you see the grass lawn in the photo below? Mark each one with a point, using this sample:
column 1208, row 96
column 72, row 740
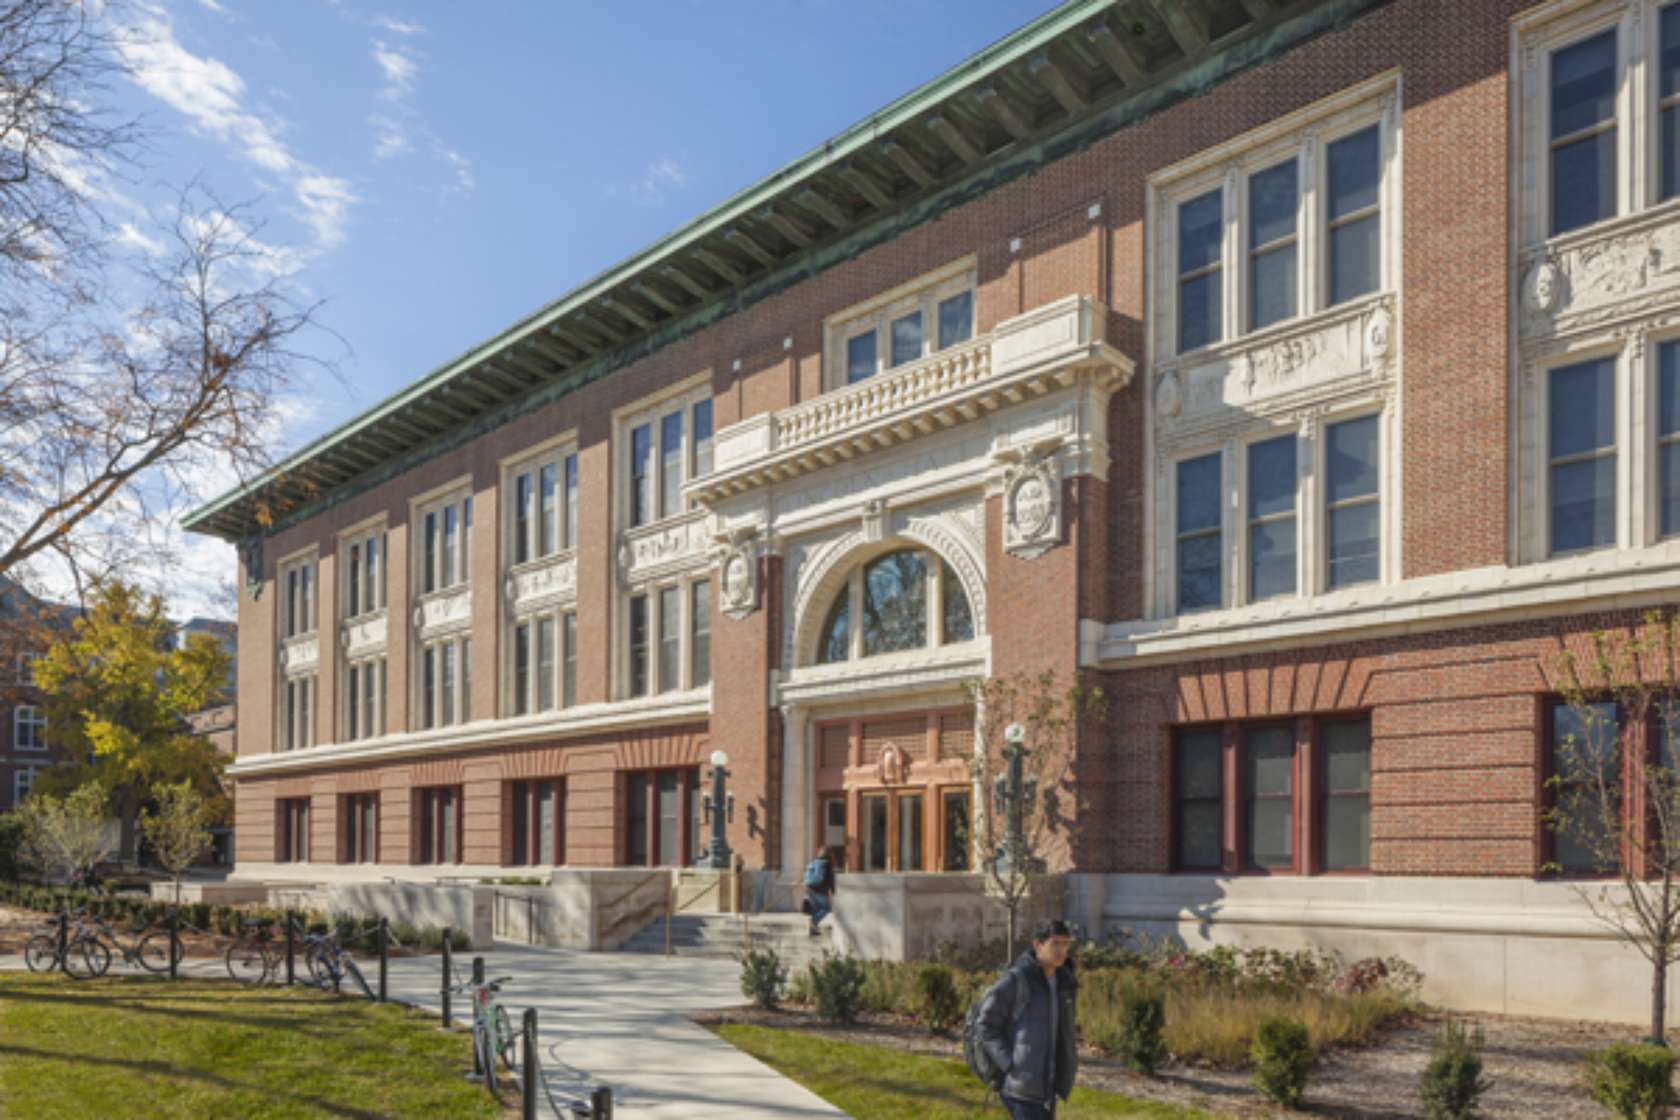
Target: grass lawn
column 877, row 1083
column 138, row 1046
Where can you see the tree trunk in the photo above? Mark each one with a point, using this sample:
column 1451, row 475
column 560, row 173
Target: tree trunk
column 1659, row 998
column 1009, row 945
column 127, row 833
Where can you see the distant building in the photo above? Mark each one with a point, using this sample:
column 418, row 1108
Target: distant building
column 28, row 625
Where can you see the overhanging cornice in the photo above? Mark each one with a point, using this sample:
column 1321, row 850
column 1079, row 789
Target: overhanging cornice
column 1080, row 72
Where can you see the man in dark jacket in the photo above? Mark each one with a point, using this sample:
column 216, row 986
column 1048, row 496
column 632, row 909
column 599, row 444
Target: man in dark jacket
column 819, row 888
column 1034, row 1048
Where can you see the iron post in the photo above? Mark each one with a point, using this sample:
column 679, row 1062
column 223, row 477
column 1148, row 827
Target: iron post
column 447, row 974
column 384, row 959
column 528, row 1056
column 720, row 808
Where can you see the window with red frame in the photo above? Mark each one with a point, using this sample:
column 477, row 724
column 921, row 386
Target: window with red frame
column 439, row 819
column 538, row 835
column 359, row 825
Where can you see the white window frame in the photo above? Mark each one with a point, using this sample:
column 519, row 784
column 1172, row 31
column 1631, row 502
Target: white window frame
column 1647, row 374
column 358, row 538
column 684, row 586
column 1536, row 37
column 925, row 293
column 373, row 665
column 306, row 561
column 26, row 668
column 23, row 783
column 1305, row 135
column 531, row 461
column 683, row 398
column 295, row 735
column 458, row 493
column 34, row 718
column 461, row 681
column 556, row 613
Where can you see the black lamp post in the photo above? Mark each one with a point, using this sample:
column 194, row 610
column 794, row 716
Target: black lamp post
column 1013, row 791
column 720, row 808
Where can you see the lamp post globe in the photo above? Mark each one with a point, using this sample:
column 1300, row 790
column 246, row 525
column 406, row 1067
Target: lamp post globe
column 719, row 807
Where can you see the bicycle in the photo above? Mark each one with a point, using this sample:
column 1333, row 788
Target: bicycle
column 84, row 956
column 151, row 947
column 492, row 1033
column 328, row 963
column 254, row 958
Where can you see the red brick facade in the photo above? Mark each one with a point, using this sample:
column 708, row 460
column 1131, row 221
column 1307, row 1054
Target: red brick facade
column 1456, row 710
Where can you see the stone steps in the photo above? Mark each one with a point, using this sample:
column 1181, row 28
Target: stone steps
column 719, row 936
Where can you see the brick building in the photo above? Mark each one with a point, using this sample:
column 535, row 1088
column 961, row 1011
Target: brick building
column 1304, row 373
column 28, row 625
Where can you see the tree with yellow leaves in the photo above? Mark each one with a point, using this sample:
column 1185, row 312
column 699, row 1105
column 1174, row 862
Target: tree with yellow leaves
column 118, row 691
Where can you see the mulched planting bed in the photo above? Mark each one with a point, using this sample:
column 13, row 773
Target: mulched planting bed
column 1533, row 1065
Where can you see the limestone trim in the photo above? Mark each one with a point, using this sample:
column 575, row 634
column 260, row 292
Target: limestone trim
column 669, row 547
column 539, row 584
column 1054, row 348
column 587, row 719
column 364, row 635
column 935, row 670
column 438, row 613
column 1607, row 580
column 820, row 570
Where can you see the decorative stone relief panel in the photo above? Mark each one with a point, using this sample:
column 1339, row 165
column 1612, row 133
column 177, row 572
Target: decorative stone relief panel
column 1032, row 501
column 737, row 563
column 299, row 655
column 674, row 545
column 1277, row 372
column 443, row 611
column 554, row 580
column 364, row 635
column 1581, row 283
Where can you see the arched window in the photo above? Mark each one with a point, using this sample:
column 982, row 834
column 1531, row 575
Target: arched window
column 905, row 600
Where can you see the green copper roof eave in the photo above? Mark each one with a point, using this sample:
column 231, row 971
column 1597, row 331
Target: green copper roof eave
column 1023, row 41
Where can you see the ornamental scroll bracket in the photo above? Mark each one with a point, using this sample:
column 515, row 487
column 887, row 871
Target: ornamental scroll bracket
column 735, row 553
column 1032, row 497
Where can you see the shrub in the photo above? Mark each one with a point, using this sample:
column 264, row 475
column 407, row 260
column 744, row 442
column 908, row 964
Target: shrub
column 837, row 987
column 1632, row 1079
column 889, row 986
column 938, row 1002
column 762, row 977
column 1215, row 1024
column 1140, row 1042
column 1452, row 1081
column 1282, row 1054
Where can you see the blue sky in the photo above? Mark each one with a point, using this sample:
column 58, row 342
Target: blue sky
column 433, row 171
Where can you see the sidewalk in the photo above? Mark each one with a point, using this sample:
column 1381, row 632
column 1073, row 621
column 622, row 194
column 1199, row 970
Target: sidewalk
column 613, row 1018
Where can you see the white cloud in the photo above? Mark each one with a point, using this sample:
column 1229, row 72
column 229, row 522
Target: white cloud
column 663, row 174
column 400, row 67
column 397, row 26
column 389, row 138
column 212, row 6
column 464, row 181
column 212, row 96
column 128, row 234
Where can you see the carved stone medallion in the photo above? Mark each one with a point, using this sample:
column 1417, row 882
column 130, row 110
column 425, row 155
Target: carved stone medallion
column 737, row 564
column 1169, row 396
column 1540, row 288
column 1032, row 504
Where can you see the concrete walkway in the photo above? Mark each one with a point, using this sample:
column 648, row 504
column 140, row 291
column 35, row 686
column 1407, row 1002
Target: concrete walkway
column 618, row 1019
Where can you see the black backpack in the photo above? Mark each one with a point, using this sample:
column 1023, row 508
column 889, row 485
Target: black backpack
column 979, row 1060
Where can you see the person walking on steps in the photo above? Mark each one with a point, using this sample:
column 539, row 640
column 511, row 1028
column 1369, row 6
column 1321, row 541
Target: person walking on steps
column 1026, row 1026
column 819, row 888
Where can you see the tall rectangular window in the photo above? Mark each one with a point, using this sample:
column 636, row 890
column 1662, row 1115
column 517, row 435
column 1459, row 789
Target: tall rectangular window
column 1668, row 100
column 1273, row 199
column 670, row 464
column 702, row 439
column 446, row 683
column 355, row 573
column 670, row 638
column 1586, row 754
column 700, row 633
column 1346, row 829
column 465, row 572
column 638, row 645
column 641, row 481
column 1199, row 543
column 353, row 707
column 1201, row 231
column 670, row 794
column 571, row 501
column 1583, row 133
column 523, row 515
column 451, row 537
column 1352, row 507
column 522, row 669
column 29, row 728
column 292, row 815
column 548, row 492
column 428, row 687
column 360, row 820
column 1198, row 801
column 429, row 574
column 1354, row 165
column 1269, row 795
column 439, row 838
column 1668, row 429
column 545, row 663
column 373, row 578
column 1271, row 518
column 636, row 820
column 538, row 811
column 568, row 662
column 954, row 807
column 371, row 672
column 466, row 680
column 1581, row 455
